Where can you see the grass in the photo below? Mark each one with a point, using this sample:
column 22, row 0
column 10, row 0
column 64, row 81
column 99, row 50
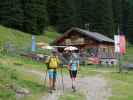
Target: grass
column 13, row 68
column 14, row 78
column 21, row 39
column 87, row 70
column 73, row 96
column 4, row 93
column 16, row 37
column 16, row 75
column 122, row 85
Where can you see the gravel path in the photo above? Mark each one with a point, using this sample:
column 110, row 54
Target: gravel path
column 94, row 87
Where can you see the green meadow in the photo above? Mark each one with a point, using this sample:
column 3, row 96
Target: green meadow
column 15, row 71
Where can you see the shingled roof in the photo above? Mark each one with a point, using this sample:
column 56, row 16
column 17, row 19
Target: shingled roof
column 95, row 35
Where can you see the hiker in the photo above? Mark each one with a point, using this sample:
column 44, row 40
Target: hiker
column 73, row 67
column 52, row 65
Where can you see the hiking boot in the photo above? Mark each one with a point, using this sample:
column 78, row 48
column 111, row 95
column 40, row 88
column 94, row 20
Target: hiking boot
column 50, row 91
column 74, row 89
column 54, row 88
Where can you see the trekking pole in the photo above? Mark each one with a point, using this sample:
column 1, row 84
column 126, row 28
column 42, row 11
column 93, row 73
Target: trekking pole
column 46, row 72
column 62, row 79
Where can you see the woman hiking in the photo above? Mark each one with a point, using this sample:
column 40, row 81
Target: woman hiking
column 73, row 67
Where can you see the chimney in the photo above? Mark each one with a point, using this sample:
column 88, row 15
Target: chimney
column 87, row 25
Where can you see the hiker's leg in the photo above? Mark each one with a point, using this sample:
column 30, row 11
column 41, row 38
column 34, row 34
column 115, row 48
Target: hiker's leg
column 54, row 79
column 70, row 72
column 74, row 79
column 50, row 80
column 50, row 83
column 72, row 83
column 71, row 76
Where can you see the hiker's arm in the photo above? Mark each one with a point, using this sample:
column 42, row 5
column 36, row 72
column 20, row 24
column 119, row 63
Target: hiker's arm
column 68, row 66
column 78, row 66
column 47, row 60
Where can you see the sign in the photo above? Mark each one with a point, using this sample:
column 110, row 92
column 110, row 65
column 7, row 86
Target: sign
column 117, row 43
column 120, row 44
column 33, row 44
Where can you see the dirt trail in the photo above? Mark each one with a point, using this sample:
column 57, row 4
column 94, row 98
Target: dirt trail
column 94, row 87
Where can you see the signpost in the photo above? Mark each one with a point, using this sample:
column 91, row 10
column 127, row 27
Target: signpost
column 33, row 47
column 120, row 48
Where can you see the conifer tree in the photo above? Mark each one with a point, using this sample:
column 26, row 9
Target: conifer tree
column 67, row 14
column 35, row 16
column 104, row 22
column 11, row 14
column 130, row 23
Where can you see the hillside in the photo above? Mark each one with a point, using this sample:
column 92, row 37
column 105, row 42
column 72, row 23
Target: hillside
column 16, row 81
column 21, row 39
column 23, row 79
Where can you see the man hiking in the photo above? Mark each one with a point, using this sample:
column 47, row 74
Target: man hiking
column 52, row 65
column 73, row 66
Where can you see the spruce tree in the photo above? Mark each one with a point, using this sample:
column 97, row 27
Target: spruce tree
column 117, row 10
column 117, row 14
column 86, row 12
column 35, row 16
column 11, row 14
column 67, row 15
column 52, row 11
column 130, row 23
column 103, row 19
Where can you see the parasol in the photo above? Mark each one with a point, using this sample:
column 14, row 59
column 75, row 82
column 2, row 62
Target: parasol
column 47, row 47
column 71, row 48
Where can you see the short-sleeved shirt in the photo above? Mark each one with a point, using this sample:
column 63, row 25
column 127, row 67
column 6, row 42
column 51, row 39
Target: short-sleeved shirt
column 74, row 64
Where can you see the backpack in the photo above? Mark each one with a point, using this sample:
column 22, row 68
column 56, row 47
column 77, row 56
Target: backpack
column 53, row 62
column 73, row 64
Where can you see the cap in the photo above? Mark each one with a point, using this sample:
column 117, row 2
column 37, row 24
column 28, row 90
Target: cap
column 54, row 51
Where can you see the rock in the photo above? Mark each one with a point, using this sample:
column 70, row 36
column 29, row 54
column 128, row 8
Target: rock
column 21, row 90
column 17, row 89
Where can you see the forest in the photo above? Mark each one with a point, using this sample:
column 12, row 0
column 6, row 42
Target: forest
column 34, row 16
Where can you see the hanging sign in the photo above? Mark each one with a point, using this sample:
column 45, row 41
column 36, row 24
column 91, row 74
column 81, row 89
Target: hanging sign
column 120, row 44
column 117, row 43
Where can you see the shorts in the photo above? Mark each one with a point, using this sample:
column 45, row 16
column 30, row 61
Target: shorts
column 73, row 74
column 52, row 73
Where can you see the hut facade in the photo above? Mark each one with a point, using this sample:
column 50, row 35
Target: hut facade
column 91, row 43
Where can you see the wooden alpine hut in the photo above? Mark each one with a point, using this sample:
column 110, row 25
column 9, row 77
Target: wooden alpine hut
column 89, row 43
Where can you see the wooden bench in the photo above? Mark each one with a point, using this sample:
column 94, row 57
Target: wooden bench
column 37, row 57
